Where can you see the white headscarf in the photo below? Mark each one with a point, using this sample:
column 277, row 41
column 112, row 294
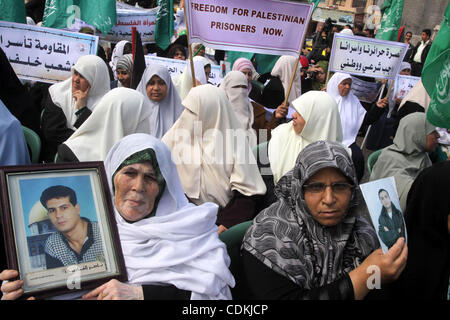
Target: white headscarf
column 240, row 101
column 322, row 122
column 348, row 32
column 166, row 112
column 95, row 71
column 418, row 95
column 350, row 109
column 180, row 244
column 183, row 83
column 283, row 69
column 116, row 54
column 121, row 112
column 210, row 161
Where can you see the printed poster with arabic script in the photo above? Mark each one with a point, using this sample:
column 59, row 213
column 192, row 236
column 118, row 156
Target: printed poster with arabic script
column 366, row 56
column 43, row 54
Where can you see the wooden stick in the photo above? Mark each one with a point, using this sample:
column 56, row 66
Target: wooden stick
column 390, row 89
column 291, row 82
column 191, row 58
column 296, row 64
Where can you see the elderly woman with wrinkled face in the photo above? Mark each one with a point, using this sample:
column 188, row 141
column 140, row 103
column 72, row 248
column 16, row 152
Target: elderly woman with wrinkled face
column 171, row 247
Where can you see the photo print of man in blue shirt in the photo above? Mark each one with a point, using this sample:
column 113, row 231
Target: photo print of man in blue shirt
column 77, row 239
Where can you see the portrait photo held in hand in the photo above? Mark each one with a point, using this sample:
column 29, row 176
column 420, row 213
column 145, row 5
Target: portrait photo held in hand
column 58, row 229
column 384, row 207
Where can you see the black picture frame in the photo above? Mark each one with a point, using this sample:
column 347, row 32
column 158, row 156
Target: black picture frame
column 29, row 236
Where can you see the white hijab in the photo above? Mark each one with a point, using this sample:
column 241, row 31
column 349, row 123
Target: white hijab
column 183, row 83
column 283, row 69
column 350, row 109
column 95, row 71
column 211, row 161
column 322, row 122
column 240, row 101
column 166, row 112
column 121, row 112
column 116, row 54
column 418, row 95
column 180, row 244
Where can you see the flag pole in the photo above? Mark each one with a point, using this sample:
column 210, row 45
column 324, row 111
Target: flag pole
column 291, row 82
column 191, row 58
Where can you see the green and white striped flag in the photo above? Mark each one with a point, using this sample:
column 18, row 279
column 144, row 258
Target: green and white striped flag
column 13, row 11
column 61, row 13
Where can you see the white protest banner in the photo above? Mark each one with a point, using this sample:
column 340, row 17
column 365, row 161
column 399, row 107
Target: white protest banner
column 44, row 54
column 144, row 21
column 259, row 26
column 176, row 67
column 366, row 56
column 365, row 91
column 403, row 84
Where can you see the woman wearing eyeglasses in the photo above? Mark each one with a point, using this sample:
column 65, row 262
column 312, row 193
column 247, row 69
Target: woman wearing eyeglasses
column 313, row 242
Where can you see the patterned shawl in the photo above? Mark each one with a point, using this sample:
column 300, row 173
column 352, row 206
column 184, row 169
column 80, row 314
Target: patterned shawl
column 287, row 238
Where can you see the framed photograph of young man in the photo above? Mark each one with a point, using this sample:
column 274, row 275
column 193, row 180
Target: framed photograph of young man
column 384, row 208
column 59, row 227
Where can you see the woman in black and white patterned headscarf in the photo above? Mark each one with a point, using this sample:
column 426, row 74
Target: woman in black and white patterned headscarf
column 313, row 243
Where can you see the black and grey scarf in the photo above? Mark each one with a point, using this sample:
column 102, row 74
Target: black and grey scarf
column 287, row 238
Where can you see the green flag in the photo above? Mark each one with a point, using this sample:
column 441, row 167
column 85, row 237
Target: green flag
column 164, row 23
column 391, row 21
column 61, row 13
column 13, row 11
column 436, row 75
column 265, row 62
column 316, row 3
column 232, row 56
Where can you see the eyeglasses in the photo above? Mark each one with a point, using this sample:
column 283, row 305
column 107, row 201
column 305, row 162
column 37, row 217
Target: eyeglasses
column 336, row 187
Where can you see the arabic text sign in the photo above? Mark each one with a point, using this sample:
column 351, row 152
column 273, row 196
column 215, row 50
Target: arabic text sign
column 144, row 21
column 259, row 26
column 366, row 56
column 43, row 54
column 365, row 91
column 403, row 84
column 176, row 67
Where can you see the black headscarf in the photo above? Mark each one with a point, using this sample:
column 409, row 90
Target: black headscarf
column 426, row 275
column 16, row 97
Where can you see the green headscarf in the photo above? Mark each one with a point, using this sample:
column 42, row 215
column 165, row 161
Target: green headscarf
column 147, row 155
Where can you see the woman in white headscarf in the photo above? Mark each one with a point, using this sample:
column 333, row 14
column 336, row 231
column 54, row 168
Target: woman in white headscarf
column 213, row 156
column 72, row 101
column 283, row 69
column 119, row 50
column 316, row 118
column 353, row 115
column 156, row 84
column 235, row 86
column 171, row 247
column 121, row 112
column 183, row 82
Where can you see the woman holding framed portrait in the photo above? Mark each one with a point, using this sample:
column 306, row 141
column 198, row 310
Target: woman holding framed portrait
column 152, row 213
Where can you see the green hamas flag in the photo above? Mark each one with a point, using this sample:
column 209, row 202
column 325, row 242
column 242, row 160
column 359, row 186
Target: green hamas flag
column 391, row 21
column 12, row 11
column 164, row 23
column 435, row 75
column 316, row 3
column 61, row 13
